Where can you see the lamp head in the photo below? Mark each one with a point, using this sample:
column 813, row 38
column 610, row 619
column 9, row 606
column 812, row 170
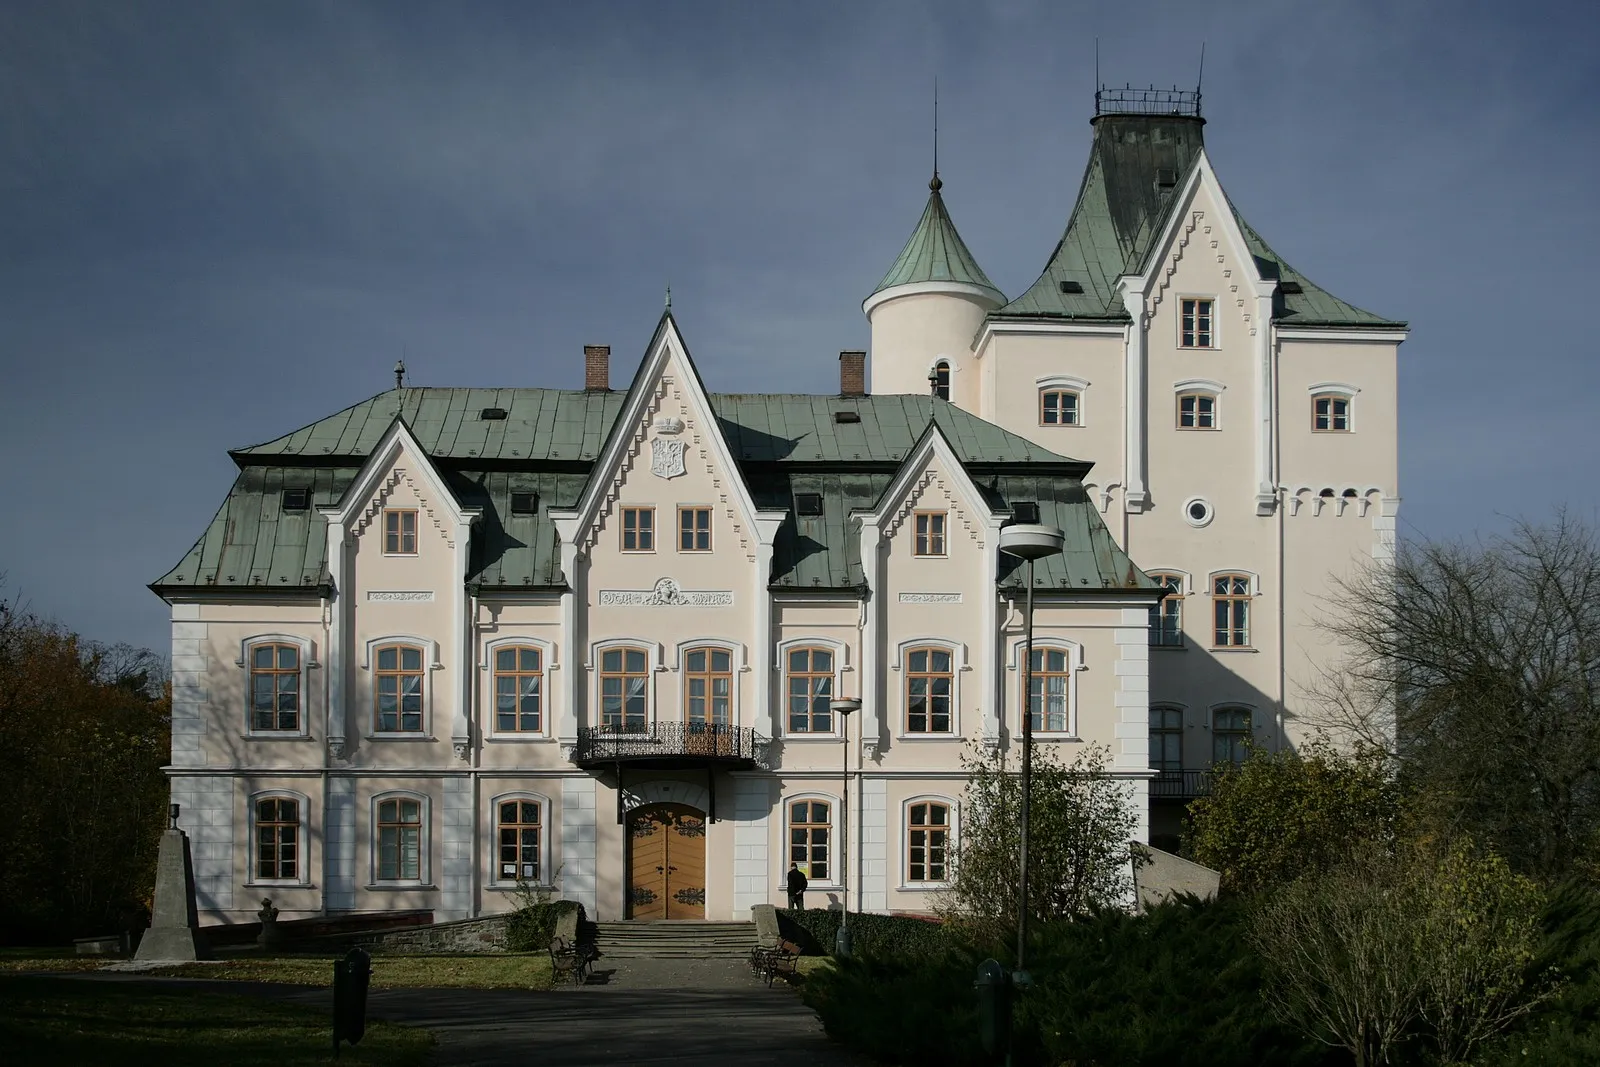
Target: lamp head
column 1030, row 540
column 846, row 706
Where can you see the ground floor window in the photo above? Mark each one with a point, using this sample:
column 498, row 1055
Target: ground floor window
column 277, row 839
column 521, row 824
column 927, row 840
column 400, row 840
column 809, row 831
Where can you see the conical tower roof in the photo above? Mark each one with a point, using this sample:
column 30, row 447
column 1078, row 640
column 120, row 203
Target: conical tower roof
column 936, row 252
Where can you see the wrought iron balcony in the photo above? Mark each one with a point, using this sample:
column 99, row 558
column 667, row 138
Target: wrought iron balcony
column 1180, row 785
column 670, row 745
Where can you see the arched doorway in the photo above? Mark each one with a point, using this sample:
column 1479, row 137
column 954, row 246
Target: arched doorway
column 666, row 862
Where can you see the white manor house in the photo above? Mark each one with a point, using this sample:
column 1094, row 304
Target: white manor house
column 449, row 639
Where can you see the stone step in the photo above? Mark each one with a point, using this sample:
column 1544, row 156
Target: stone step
column 678, row 939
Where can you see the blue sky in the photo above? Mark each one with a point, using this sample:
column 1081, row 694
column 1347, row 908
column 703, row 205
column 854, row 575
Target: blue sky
column 220, row 221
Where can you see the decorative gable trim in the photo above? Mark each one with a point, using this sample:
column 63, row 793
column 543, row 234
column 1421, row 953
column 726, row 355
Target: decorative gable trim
column 364, row 498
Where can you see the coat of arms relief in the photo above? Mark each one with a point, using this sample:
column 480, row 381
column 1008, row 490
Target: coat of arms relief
column 666, row 448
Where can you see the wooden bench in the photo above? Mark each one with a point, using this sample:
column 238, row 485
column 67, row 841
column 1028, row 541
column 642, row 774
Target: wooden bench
column 569, row 961
column 770, row 962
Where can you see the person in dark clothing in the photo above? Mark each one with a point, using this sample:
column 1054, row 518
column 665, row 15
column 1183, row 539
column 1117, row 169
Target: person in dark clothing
column 797, row 888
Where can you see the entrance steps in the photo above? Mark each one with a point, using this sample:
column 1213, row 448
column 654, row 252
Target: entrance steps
column 676, row 939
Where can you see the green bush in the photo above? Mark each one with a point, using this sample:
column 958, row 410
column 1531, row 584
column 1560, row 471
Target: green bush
column 881, row 936
column 533, row 923
column 1566, row 1031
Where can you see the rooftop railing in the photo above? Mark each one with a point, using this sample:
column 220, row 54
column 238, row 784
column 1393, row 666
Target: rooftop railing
column 1151, row 101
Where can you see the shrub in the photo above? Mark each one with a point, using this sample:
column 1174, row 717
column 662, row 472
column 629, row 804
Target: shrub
column 881, row 936
column 1564, row 1032
column 533, row 923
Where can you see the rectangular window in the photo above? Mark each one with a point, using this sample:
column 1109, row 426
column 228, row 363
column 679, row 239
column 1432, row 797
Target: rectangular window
column 400, row 840
column 1047, row 696
column 809, row 827
column 927, row 839
column 930, row 533
column 810, row 691
column 518, row 685
column 274, row 688
column 1230, row 735
column 1196, row 327
column 520, row 825
column 623, row 676
column 1166, row 739
column 638, row 529
column 707, row 686
column 694, row 529
column 929, row 682
column 277, row 839
column 1058, row 407
column 399, row 689
column 399, row 533
column 1330, row 414
column 1231, row 600
column 1197, row 411
column 1166, row 618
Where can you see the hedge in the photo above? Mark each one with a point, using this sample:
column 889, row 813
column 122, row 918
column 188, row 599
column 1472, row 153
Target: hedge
column 881, row 936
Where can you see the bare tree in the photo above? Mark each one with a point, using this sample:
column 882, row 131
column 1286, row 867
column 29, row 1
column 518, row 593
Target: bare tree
column 1475, row 665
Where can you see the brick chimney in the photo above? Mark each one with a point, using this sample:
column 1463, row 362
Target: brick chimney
column 597, row 368
column 852, row 374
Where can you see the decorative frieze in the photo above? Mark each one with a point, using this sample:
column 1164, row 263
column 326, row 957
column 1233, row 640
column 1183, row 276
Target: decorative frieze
column 400, row 596
column 930, row 598
column 666, row 593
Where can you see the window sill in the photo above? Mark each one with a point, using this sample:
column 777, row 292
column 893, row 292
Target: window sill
column 275, row 735
column 279, row 885
column 1168, row 648
column 817, row 738
column 819, row 887
column 511, row 887
column 518, row 739
column 929, row 737
column 1235, row 648
column 1054, row 735
column 921, row 887
column 401, row 737
column 389, row 887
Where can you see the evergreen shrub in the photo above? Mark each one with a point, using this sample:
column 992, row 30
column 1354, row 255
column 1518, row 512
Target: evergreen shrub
column 881, row 936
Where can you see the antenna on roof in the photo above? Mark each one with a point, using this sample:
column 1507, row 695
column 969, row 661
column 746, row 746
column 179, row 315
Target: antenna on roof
column 935, row 184
column 399, row 374
column 669, row 298
column 1201, row 79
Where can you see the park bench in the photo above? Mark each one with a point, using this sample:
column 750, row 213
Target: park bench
column 770, row 962
column 569, row 961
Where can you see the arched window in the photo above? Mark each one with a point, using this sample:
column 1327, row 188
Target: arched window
column 1231, row 603
column 397, row 689
column 1166, row 739
column 519, row 825
column 1166, row 618
column 1050, row 677
column 1230, row 735
column 927, row 841
column 810, row 690
column 1330, row 413
column 518, row 689
column 930, row 684
column 1197, row 411
column 275, row 688
column 1059, row 407
column 810, row 833
column 707, row 686
column 941, row 379
column 401, row 839
column 277, row 839
column 624, row 678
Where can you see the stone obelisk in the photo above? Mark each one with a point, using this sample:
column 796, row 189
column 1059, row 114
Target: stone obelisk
column 174, row 921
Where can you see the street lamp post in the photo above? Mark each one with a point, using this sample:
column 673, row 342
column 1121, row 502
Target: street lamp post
column 1027, row 541
column 841, row 943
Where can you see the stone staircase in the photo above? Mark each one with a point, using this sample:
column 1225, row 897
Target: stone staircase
column 676, row 939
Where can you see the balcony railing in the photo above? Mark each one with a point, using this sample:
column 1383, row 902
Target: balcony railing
column 1180, row 785
column 671, row 744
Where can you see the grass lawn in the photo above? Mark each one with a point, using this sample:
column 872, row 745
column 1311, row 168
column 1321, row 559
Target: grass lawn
column 63, row 1020
column 510, row 971
column 807, row 965
column 22, row 960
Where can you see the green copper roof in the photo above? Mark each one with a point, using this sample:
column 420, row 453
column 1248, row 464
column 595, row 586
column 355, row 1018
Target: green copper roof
column 1137, row 166
column 936, row 252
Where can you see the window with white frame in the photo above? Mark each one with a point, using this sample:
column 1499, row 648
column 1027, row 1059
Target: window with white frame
column 275, row 689
column 518, row 689
column 397, row 690
column 928, row 826
column 1059, row 407
column 707, row 686
column 400, row 838
column 1330, row 413
column 1230, row 594
column 624, row 688
column 1230, row 735
column 519, row 832
column 399, row 532
column 930, row 690
column 930, row 533
column 810, row 837
column 1166, row 617
column 941, row 380
column 1050, row 682
column 1197, row 411
column 1195, row 329
column 1166, row 739
column 810, row 690
column 277, row 837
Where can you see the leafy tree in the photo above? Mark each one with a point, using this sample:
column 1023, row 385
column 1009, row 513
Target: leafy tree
column 1279, row 814
column 1079, row 825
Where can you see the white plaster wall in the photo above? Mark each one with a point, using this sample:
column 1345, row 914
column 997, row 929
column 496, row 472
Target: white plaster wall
column 753, row 803
column 340, row 848
column 911, row 333
column 456, row 831
column 191, row 670
column 207, row 815
column 874, row 863
column 578, row 836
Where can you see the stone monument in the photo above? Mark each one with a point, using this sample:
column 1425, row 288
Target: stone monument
column 174, row 923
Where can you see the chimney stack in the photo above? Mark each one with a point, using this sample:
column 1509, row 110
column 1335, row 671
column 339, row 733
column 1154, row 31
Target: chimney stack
column 852, row 374
column 597, row 368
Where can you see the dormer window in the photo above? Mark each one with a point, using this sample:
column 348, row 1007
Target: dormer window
column 1330, row 413
column 808, row 505
column 1058, row 407
column 939, row 378
column 1196, row 329
column 524, row 503
column 1197, row 411
column 296, row 499
column 930, row 533
column 399, row 533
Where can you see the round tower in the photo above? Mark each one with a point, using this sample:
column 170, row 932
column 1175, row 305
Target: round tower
column 927, row 311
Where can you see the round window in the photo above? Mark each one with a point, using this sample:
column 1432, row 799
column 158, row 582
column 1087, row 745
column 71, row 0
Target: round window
column 1197, row 512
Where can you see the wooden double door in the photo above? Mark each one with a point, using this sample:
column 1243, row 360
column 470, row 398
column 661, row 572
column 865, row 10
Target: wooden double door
column 666, row 862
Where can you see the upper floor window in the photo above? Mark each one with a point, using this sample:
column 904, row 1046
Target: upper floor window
column 1196, row 327
column 1230, row 735
column 930, row 533
column 398, row 692
column 1058, row 407
column 929, row 685
column 927, row 841
column 624, row 673
column 707, row 686
column 1047, row 698
column 638, row 529
column 810, row 691
column 1166, row 618
column 810, row 827
column 941, row 380
column 694, row 529
column 399, row 532
column 520, row 826
column 275, row 687
column 400, row 839
column 1231, row 602
column 1166, row 739
column 518, row 690
column 277, row 839
column 1330, row 413
column 1197, row 411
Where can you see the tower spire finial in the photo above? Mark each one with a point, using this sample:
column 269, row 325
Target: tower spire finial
column 399, row 374
column 935, row 184
column 669, row 298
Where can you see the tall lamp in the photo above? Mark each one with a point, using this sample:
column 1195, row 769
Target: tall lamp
column 1027, row 541
column 841, row 943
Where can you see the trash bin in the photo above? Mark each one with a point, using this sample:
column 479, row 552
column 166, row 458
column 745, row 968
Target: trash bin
column 351, row 976
column 994, row 1008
